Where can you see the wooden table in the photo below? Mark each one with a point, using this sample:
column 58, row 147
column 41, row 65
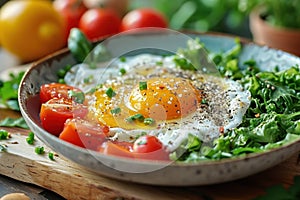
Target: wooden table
column 40, row 178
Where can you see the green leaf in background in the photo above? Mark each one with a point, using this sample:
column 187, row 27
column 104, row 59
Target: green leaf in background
column 10, row 122
column 9, row 91
column 278, row 192
column 79, row 45
column 229, row 16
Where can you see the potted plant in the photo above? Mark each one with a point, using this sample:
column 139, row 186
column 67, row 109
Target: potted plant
column 276, row 23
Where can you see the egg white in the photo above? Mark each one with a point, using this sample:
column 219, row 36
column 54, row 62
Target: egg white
column 226, row 99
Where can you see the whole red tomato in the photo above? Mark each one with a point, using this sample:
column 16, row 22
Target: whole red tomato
column 143, row 17
column 71, row 10
column 98, row 22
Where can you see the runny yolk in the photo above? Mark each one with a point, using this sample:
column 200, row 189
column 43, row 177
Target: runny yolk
column 165, row 98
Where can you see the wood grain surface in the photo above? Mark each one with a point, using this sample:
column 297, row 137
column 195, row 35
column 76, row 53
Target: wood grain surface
column 74, row 182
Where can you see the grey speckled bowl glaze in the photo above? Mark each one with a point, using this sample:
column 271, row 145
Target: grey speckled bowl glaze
column 203, row 173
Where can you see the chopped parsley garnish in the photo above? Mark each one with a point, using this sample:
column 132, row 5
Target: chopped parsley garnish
column 92, row 90
column 4, row 134
column 77, row 96
column 123, row 59
column 204, row 101
column 61, row 80
column 39, row 150
column 149, row 121
column 142, row 142
column 30, row 138
column 110, row 92
column 138, row 117
column 140, row 135
column 2, row 148
column 115, row 111
column 122, row 71
column 159, row 63
column 88, row 79
column 141, row 118
column 62, row 73
column 143, row 85
column 51, row 156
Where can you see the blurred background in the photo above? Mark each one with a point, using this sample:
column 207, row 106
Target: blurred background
column 225, row 16
column 230, row 16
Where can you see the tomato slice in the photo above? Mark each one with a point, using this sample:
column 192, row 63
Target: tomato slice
column 84, row 134
column 115, row 149
column 56, row 90
column 149, row 147
column 126, row 149
column 146, row 144
column 55, row 112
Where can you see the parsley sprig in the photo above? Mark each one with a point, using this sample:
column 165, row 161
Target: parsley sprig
column 4, row 135
column 9, row 91
column 110, row 92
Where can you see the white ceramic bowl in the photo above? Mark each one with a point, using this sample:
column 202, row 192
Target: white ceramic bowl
column 175, row 174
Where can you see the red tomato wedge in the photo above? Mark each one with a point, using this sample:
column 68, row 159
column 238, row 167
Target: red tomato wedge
column 84, row 134
column 56, row 90
column 146, row 144
column 55, row 112
column 111, row 148
column 149, row 147
column 125, row 149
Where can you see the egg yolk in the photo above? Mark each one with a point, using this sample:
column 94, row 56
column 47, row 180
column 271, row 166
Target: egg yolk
column 165, row 98
column 156, row 98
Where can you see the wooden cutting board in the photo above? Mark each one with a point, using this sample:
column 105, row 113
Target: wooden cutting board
column 73, row 182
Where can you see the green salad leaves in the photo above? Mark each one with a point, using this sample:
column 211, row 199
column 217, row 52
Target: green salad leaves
column 272, row 120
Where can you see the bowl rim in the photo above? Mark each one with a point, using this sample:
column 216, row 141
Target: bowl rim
column 65, row 51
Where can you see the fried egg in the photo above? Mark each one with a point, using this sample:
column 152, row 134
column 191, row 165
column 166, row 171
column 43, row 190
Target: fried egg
column 153, row 96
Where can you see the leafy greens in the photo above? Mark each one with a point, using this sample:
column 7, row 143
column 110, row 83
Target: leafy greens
column 272, row 120
column 9, row 91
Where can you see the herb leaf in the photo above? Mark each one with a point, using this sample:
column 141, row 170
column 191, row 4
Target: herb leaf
column 110, row 92
column 115, row 111
column 2, row 148
column 51, row 156
column 4, row 134
column 78, row 97
column 30, row 138
column 39, row 150
column 138, row 117
column 10, row 122
column 9, row 91
column 149, row 121
column 122, row 71
column 143, row 85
